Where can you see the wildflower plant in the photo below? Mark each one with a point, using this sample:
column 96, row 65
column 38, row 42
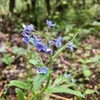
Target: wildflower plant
column 45, row 45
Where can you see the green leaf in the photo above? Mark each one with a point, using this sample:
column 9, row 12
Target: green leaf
column 20, row 94
column 18, row 51
column 2, row 49
column 34, row 62
column 60, row 80
column 95, row 23
column 87, row 72
column 96, row 58
column 89, row 91
column 84, row 61
column 62, row 89
column 37, row 81
column 7, row 59
column 68, row 28
column 19, row 84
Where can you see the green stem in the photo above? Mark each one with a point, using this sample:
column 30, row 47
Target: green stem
column 48, row 80
column 43, row 34
column 33, row 92
column 51, row 62
column 62, row 48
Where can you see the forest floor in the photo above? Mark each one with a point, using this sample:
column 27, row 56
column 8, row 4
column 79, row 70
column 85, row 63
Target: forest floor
column 14, row 67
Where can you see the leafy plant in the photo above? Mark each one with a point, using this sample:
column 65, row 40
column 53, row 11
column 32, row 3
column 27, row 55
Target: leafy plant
column 44, row 73
column 7, row 59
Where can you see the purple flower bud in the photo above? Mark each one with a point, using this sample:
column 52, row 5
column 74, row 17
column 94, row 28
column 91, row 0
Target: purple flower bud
column 26, row 32
column 43, row 70
column 35, row 40
column 27, row 29
column 58, row 41
column 40, row 46
column 70, row 46
column 48, row 51
column 26, row 38
column 51, row 43
column 49, row 23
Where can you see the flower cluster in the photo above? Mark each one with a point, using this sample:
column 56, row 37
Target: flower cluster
column 38, row 44
column 56, row 42
column 42, row 47
column 27, row 34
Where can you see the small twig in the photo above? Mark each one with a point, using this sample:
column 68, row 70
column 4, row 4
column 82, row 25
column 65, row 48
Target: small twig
column 59, row 97
column 65, row 62
column 1, row 92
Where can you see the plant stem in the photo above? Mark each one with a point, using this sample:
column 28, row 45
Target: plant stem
column 51, row 62
column 48, row 80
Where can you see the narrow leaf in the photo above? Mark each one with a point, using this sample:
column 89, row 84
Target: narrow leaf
column 87, row 72
column 62, row 89
column 37, row 81
column 89, row 91
column 34, row 62
column 20, row 84
column 20, row 94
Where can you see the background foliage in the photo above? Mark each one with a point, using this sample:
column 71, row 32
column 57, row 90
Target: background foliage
column 71, row 17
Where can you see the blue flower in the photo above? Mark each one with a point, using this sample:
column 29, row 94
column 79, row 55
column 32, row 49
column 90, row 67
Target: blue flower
column 26, row 38
column 26, row 32
column 70, row 46
column 51, row 43
column 58, row 41
column 73, row 80
column 43, row 70
column 40, row 46
column 27, row 29
column 49, row 23
column 48, row 51
column 35, row 40
column 67, row 75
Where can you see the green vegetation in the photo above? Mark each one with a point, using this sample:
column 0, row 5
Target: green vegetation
column 73, row 74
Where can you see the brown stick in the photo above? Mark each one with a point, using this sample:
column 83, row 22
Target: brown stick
column 59, row 97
